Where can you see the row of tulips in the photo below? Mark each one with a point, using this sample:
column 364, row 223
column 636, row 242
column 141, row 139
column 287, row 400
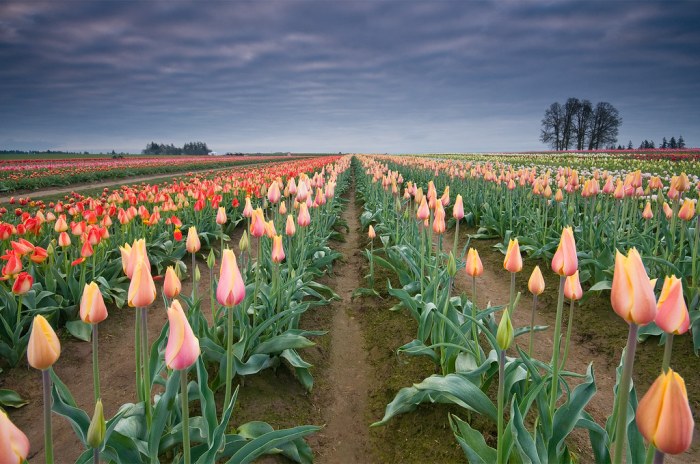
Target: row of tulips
column 255, row 306
column 657, row 217
column 53, row 249
column 452, row 331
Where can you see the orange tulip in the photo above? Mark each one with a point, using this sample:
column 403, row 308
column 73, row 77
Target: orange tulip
column 23, row 283
column 632, row 295
column 171, row 285
column 423, row 212
column 473, row 266
column 439, row 219
column 536, row 282
column 14, row 445
column 303, row 219
column 192, row 244
column 92, row 305
column 231, row 289
column 513, row 261
column 572, row 287
column 687, row 211
column 142, row 290
column 672, row 316
column 44, row 348
column 647, row 214
column 663, row 414
column 565, row 261
column 371, row 233
column 290, row 229
column 277, row 253
column 283, row 208
column 182, row 349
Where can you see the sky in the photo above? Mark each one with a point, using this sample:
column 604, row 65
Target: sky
column 400, row 76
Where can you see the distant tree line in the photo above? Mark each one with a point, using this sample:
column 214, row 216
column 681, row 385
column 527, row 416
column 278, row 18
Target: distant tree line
column 190, row 148
column 672, row 144
column 579, row 125
column 38, row 152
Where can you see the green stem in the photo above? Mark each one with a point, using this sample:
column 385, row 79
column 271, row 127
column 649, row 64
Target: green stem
column 96, row 456
column 146, row 379
column 371, row 265
column 95, row 367
column 194, row 280
column 555, row 352
column 658, row 457
column 475, row 329
column 48, row 437
column 422, row 257
column 137, row 343
column 568, row 334
column 19, row 310
column 694, row 276
column 623, row 395
column 532, row 338
column 185, row 417
column 229, row 356
column 454, row 246
column 501, row 394
column 512, row 293
column 668, row 347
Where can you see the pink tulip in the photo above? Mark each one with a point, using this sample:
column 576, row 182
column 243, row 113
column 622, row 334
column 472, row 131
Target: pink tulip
column 182, row 349
column 92, row 305
column 221, row 216
column 632, row 295
column 142, row 290
column 565, row 261
column 672, row 316
column 458, row 208
column 231, row 289
column 14, row 445
column 303, row 219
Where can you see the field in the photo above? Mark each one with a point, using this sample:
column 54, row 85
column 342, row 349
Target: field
column 359, row 308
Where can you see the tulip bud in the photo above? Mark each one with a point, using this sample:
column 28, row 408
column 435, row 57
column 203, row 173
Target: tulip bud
column 290, row 229
column 371, row 233
column 97, row 429
column 193, row 244
column 439, row 219
column 687, row 211
column 44, row 348
column 221, row 216
column 451, row 265
column 647, row 214
column 211, row 259
column 92, row 305
column 197, row 274
column 663, row 414
column 458, row 208
column 14, row 445
column 182, row 349
column 277, row 253
column 474, row 267
column 244, row 242
column 632, row 295
column 504, row 334
column 231, row 288
column 142, row 290
column 536, row 282
column 303, row 219
column 513, row 262
column 565, row 261
column 572, row 287
column 672, row 316
column 171, row 285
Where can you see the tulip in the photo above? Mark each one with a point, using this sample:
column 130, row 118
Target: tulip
column 86, row 251
column 273, row 193
column 182, row 349
column 687, row 211
column 221, row 216
column 277, row 253
column 39, row 255
column 14, row 445
column 13, row 266
column 672, row 316
column 257, row 226
column 231, row 289
column 504, row 338
column 572, row 288
column 171, row 284
column 565, row 261
column 513, row 262
column 44, row 348
column 303, row 218
column 632, row 295
column 97, row 429
column 647, row 214
column 371, row 233
column 177, row 235
column 663, row 415
column 283, row 208
column 92, row 305
column 142, row 290
column 474, row 267
column 248, row 208
column 23, row 283
column 439, row 220
column 192, row 245
column 536, row 282
column 458, row 208
column 60, row 225
column 423, row 212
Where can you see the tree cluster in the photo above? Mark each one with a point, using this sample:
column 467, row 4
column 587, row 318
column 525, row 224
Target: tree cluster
column 579, row 125
column 190, row 148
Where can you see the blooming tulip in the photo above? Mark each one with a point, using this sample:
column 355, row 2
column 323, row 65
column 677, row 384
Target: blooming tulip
column 23, row 283
column 231, row 289
column 672, row 316
column 171, row 284
column 142, row 290
column 92, row 305
column 536, row 282
column 632, row 295
column 182, row 349
column 192, row 244
column 663, row 414
column 473, row 266
column 14, row 445
column 44, row 348
column 513, row 262
column 13, row 266
column 277, row 253
column 565, row 261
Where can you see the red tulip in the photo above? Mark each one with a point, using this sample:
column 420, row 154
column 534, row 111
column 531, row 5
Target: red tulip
column 23, row 283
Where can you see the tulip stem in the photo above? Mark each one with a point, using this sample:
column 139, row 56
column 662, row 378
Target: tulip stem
column 19, row 310
column 500, row 459
column 555, row 352
column 512, row 292
column 96, row 456
column 532, row 333
column 623, row 394
column 48, row 438
column 659, row 457
column 668, row 347
column 454, row 246
column 185, row 417
column 694, row 276
column 229, row 356
column 137, row 342
column 194, row 280
column 568, row 334
column 95, row 367
column 371, row 264
column 146, row 379
column 475, row 329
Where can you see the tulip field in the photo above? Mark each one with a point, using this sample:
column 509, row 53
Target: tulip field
column 482, row 308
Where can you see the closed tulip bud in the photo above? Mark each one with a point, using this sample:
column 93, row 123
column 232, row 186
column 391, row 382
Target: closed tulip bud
column 277, row 253
column 303, row 219
column 14, row 445
column 423, row 212
column 44, row 348
column 92, row 305
column 663, row 414
column 248, row 209
column 536, row 282
column 231, row 288
column 273, row 192
column 439, row 219
column 632, row 295
column 98, row 428
column 23, row 283
column 211, row 259
column 672, row 316
column 171, row 285
column 290, row 229
column 283, row 208
column 647, row 214
column 182, row 349
column 513, row 261
column 572, row 287
column 221, row 216
column 197, row 274
column 559, row 196
column 504, row 334
column 257, row 225
column 177, row 235
column 142, row 290
column 192, row 244
column 371, row 233
column 61, row 225
column 451, row 265
column 473, row 266
column 244, row 242
column 86, row 251
column 565, row 261
column 668, row 212
column 458, row 208
column 64, row 240
column 13, row 266
column 687, row 211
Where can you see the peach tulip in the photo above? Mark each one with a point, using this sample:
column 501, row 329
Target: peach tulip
column 513, row 261
column 439, row 219
column 14, row 445
column 647, row 214
column 192, row 244
column 572, row 287
column 248, row 208
column 303, row 219
column 632, row 295
column 672, row 316
column 283, row 208
column 142, row 290
column 423, row 212
column 171, row 285
column 221, row 216
column 277, row 253
column 565, row 261
column 687, row 211
column 231, row 289
column 371, row 233
column 182, row 349
column 64, row 240
column 44, row 348
column 473, row 266
column 458, row 208
column 663, row 414
column 536, row 282
column 92, row 305
column 61, row 225
column 273, row 193
column 290, row 229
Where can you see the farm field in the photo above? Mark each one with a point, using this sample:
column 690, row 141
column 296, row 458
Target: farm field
column 358, row 308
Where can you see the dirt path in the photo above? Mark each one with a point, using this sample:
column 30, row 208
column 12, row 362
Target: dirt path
column 346, row 433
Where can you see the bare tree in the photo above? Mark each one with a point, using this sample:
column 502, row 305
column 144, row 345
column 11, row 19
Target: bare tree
column 582, row 123
column 605, row 124
column 571, row 107
column 552, row 126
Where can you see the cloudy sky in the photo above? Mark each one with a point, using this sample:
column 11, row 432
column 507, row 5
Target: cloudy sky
column 381, row 76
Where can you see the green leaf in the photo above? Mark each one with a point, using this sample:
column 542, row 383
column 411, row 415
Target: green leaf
column 264, row 443
column 472, row 442
column 602, row 285
column 10, row 398
column 283, row 342
column 79, row 330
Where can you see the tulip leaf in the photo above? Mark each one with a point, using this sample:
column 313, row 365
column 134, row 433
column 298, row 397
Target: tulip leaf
column 80, row 330
column 268, row 441
column 10, row 398
column 472, row 442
